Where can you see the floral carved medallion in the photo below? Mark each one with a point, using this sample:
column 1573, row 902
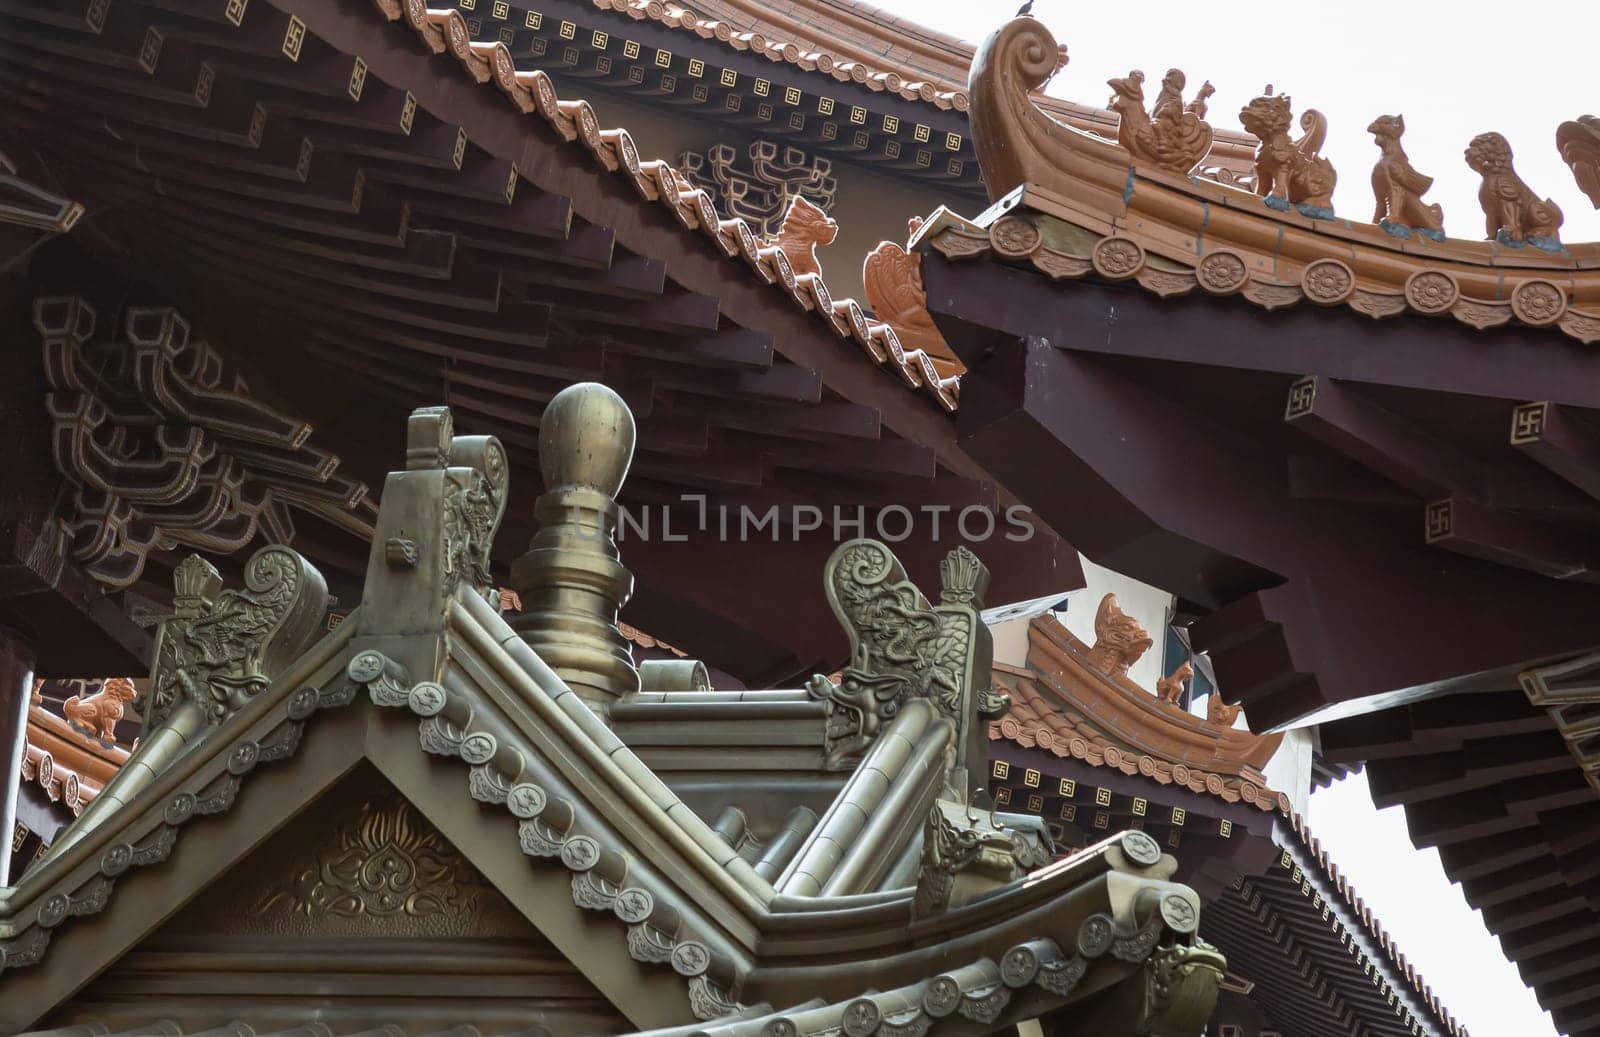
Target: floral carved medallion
column 1117, row 258
column 1538, row 302
column 387, row 862
column 1431, row 291
column 1222, row 273
column 1328, row 282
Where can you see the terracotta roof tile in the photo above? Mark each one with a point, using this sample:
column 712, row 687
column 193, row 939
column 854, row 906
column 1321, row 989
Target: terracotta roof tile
column 445, row 30
column 1034, row 724
column 1040, row 719
column 1402, row 271
column 68, row 767
column 796, row 50
column 886, row 53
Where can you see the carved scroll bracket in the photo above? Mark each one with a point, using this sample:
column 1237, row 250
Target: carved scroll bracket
column 902, row 647
column 162, row 447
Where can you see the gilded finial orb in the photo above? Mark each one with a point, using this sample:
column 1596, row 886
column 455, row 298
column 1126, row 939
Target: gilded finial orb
column 586, row 438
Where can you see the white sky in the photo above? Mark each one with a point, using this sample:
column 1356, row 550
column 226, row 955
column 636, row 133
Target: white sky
column 1453, row 72
column 1439, row 934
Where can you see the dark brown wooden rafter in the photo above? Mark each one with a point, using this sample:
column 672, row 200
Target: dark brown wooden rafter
column 1557, row 438
column 1488, row 778
column 387, row 264
column 1339, row 417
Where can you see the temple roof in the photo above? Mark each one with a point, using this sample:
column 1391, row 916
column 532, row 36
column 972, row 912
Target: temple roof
column 1062, row 704
column 1328, row 459
column 417, row 238
column 876, row 901
column 1316, row 963
column 1075, row 205
column 1320, row 959
column 853, row 41
column 655, row 180
column 69, row 765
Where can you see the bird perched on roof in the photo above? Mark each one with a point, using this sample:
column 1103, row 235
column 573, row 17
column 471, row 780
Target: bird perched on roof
column 1026, row 10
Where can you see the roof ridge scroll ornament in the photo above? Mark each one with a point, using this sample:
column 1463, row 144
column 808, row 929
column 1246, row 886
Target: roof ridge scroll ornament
column 1579, row 144
column 901, row 648
column 1119, row 639
column 218, row 651
column 892, row 277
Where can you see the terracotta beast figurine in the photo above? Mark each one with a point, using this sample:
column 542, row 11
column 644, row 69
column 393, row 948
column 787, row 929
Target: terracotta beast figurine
column 805, row 228
column 1287, row 168
column 1396, row 183
column 1170, row 688
column 1170, row 136
column 1119, row 639
column 1509, row 206
column 97, row 715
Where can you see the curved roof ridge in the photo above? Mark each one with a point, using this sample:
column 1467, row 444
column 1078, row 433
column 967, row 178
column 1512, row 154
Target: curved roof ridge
column 1040, row 721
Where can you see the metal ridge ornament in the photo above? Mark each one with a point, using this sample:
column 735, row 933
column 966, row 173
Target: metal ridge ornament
column 571, row 580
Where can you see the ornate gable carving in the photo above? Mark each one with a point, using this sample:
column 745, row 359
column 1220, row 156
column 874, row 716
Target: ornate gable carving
column 381, row 864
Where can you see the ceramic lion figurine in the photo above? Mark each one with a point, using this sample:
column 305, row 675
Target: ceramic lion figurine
column 805, row 228
column 1286, row 168
column 97, row 715
column 1396, row 183
column 1119, row 639
column 1510, row 207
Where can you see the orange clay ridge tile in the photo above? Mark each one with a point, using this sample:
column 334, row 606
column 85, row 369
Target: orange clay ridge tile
column 1374, row 928
column 511, row 601
column 1140, row 211
column 644, row 640
column 654, row 180
column 69, row 765
column 856, row 42
column 1062, row 703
